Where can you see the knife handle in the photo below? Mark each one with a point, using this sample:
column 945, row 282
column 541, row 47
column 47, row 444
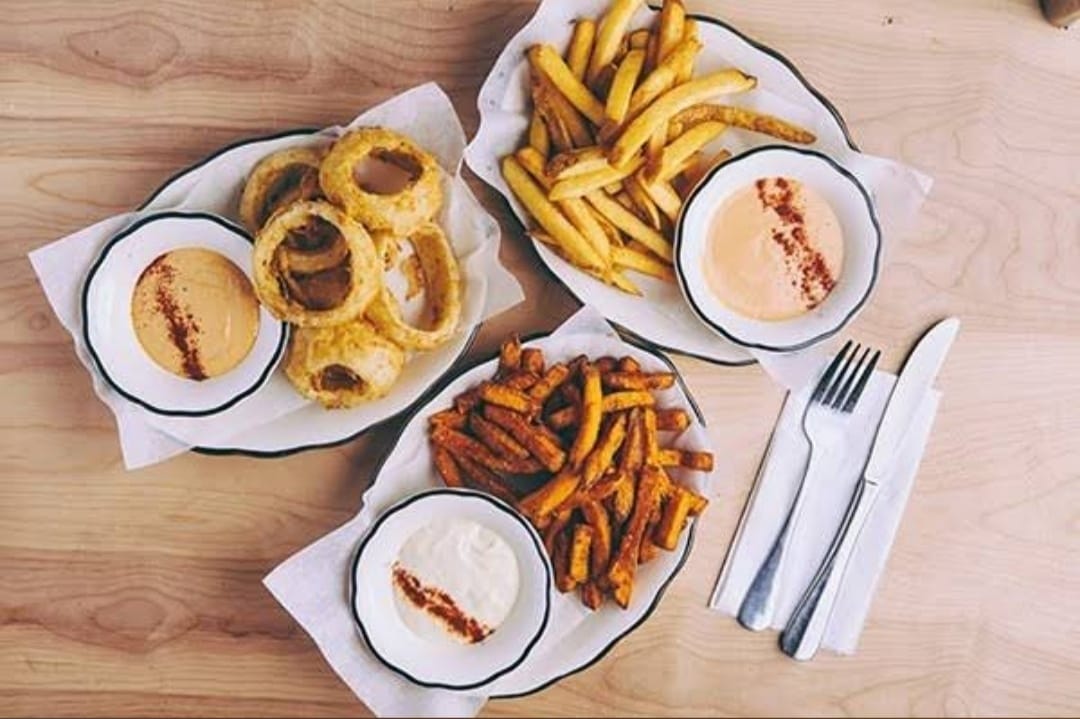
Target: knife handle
column 806, row 628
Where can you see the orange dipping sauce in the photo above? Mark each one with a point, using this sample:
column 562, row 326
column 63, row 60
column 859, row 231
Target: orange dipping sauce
column 774, row 251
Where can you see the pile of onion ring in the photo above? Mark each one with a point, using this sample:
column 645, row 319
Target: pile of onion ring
column 328, row 225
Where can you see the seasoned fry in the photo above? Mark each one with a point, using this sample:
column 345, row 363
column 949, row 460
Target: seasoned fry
column 462, row 447
column 539, row 137
column 606, row 364
column 591, row 412
column 672, row 420
column 663, row 77
column 447, row 468
column 671, row 102
column 619, row 401
column 623, row 499
column 560, row 562
column 582, row 185
column 556, row 374
column 671, row 523
column 496, row 438
column 665, row 197
column 562, row 418
column 639, row 380
column 739, row 117
column 646, row 264
column 591, row 595
column 650, row 438
column 557, row 524
column 521, row 380
column 581, row 45
column 650, row 550
column 600, row 551
column 549, row 217
column 629, row 223
column 700, row 461
column 512, row 399
column 451, row 418
column 580, row 545
column 549, row 454
column 599, row 460
column 621, row 572
column 546, row 61
column 622, row 86
column 697, row 502
column 481, row 478
column 609, row 35
column 551, row 495
column 674, row 155
column 465, row 401
column 629, row 364
column 532, row 360
column 510, row 355
column 580, row 161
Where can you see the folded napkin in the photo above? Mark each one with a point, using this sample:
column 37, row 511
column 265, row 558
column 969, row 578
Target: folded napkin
column 424, row 112
column 828, row 492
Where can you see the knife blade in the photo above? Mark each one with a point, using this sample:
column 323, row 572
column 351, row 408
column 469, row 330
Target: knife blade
column 916, row 377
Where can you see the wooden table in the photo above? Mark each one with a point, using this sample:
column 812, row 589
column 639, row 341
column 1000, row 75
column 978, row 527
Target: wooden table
column 136, row 593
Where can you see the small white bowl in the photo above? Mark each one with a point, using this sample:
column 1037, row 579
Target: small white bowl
column 858, row 222
column 448, row 664
column 110, row 335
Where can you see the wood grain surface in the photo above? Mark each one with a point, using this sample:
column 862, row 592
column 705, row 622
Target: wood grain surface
column 138, row 593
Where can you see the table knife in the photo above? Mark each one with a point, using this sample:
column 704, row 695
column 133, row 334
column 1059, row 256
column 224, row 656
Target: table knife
column 805, row 629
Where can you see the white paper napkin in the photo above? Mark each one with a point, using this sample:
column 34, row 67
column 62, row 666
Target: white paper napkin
column 828, row 491
column 424, row 112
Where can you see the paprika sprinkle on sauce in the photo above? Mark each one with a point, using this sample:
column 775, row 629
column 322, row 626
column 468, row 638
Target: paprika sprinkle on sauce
column 439, row 605
column 775, row 250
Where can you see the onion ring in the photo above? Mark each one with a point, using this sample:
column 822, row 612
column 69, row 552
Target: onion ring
column 399, row 212
column 328, row 296
column 278, row 181
column 443, row 283
column 344, row 365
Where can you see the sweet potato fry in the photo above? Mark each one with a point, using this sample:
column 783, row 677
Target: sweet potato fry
column 580, row 544
column 649, row 551
column 512, row 399
column 700, row 461
column 481, row 478
column 546, row 60
column 672, row 420
column 606, row 364
column 520, row 380
column 672, row 520
column 530, row 435
column 629, row 364
column 619, row 401
column 563, row 418
column 555, row 526
column 633, row 450
column 639, row 380
column 697, row 502
column 532, row 360
column 560, row 562
column 549, row 497
column 591, row 595
column 581, row 45
column 496, row 438
column 463, row 447
column 600, row 551
column 650, row 438
column 623, row 499
column 447, row 468
column 591, row 412
column 599, row 460
column 465, row 401
column 621, row 572
column 451, row 418
column 556, row 374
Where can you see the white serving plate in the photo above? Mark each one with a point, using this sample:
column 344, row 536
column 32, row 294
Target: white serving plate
column 110, row 335
column 576, row 638
column 661, row 318
column 447, row 663
column 858, row 224
column 424, row 113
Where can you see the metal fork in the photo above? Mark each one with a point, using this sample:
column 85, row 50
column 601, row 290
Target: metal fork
column 835, row 396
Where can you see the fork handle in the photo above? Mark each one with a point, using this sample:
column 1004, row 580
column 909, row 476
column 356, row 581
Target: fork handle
column 806, row 628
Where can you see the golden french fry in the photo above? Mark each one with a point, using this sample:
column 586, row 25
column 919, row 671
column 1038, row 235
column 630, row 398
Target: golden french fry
column 591, row 413
column 539, row 137
column 643, row 263
column 558, row 134
column 580, row 545
column 672, row 420
column 582, row 185
column 447, row 468
column 663, row 194
column 629, row 223
column 548, row 98
column 621, row 572
column 599, row 460
column 644, row 204
column 582, row 218
column 675, row 154
column 672, row 21
column 581, row 45
column 742, row 117
column 546, row 60
column 622, row 86
column 533, row 162
column 671, row 102
column 672, row 520
column 554, row 222
column 539, row 444
column 609, row 35
column 663, row 77
column 579, row 161
column 619, row 401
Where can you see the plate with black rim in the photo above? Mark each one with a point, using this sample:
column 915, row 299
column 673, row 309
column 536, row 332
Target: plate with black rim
column 662, row 317
column 424, row 113
column 576, row 638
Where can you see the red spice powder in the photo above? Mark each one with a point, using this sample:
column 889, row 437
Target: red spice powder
column 440, row 605
column 814, row 279
column 183, row 329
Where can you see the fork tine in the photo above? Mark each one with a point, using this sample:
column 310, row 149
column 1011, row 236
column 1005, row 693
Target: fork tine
column 842, row 395
column 841, row 377
column 853, row 398
column 823, row 383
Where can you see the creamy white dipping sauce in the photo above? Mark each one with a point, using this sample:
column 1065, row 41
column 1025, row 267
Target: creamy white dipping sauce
column 455, row 578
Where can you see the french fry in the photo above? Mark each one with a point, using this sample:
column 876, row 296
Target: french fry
column 629, row 364
column 633, row 450
column 465, row 401
column 562, row 418
column 451, row 418
column 510, row 355
column 602, row 84
column 639, row 39
column 697, row 502
column 560, row 562
column 646, row 264
column 629, row 223
column 463, row 447
column 582, row 185
column 551, row 495
column 675, row 154
column 600, row 552
column 651, row 52
column 672, row 22
column 619, row 401
column 622, row 86
column 482, row 478
column 579, row 161
column 672, row 520
column 650, row 438
column 581, row 45
column 639, row 380
column 546, row 61
column 555, row 375
column 549, row 217
column 547, row 96
column 742, row 117
column 512, row 399
column 580, row 545
column 591, row 595
column 696, row 172
column 663, row 77
column 496, row 438
column 520, row 380
column 532, row 360
column 609, row 35
column 671, row 102
column 539, row 137
column 556, row 526
column 672, row 420
column 558, row 134
column 647, row 209
column 650, row 550
column 700, row 461
column 605, row 364
column 620, row 573
column 663, row 194
column 549, row 454
column 579, row 214
column 623, row 499
column 447, row 468
column 591, row 412
column 599, row 460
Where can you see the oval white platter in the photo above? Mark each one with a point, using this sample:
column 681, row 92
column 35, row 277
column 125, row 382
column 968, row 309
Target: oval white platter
column 661, row 318
column 576, row 638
